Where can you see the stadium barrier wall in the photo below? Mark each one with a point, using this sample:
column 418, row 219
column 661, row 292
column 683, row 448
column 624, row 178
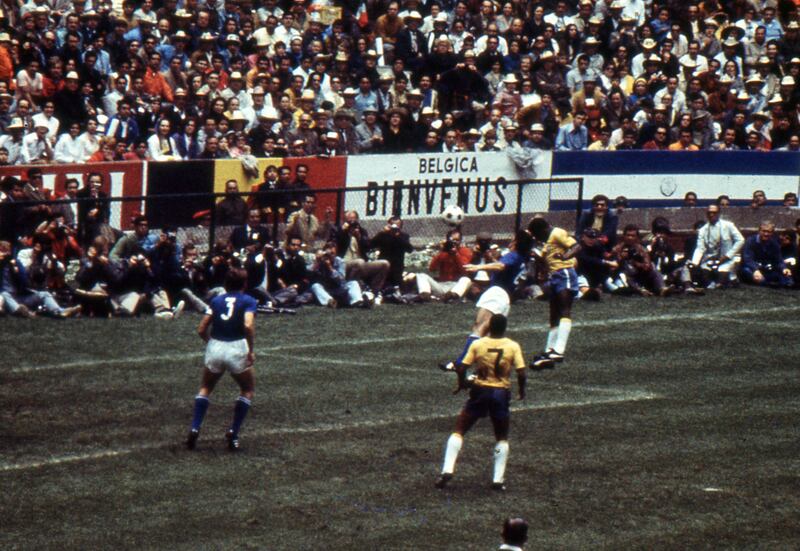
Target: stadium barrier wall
column 402, row 183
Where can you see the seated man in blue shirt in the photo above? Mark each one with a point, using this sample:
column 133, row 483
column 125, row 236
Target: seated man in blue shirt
column 573, row 136
column 762, row 262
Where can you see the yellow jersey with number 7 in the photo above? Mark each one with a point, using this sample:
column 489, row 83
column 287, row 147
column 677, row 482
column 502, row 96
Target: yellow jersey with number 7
column 493, row 361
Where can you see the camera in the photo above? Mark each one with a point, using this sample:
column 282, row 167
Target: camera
column 449, row 245
column 483, row 244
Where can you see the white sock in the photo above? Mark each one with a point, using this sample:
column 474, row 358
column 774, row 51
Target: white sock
column 551, row 338
column 564, row 327
column 451, row 453
column 500, row 459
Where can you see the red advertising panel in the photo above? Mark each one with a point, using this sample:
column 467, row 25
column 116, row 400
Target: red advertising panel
column 120, row 179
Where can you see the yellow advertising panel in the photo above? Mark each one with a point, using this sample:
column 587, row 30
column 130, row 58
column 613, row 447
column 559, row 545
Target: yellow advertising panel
column 232, row 169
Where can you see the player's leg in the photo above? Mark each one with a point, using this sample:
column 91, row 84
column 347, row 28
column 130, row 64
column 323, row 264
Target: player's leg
column 543, row 360
column 501, row 422
column 464, row 423
column 201, row 403
column 501, row 449
column 247, row 384
column 479, row 329
column 563, row 301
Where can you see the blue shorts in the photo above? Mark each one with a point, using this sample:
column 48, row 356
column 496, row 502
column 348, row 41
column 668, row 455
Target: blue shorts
column 564, row 280
column 486, row 400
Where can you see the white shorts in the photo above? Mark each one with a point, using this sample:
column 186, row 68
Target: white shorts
column 226, row 355
column 495, row 299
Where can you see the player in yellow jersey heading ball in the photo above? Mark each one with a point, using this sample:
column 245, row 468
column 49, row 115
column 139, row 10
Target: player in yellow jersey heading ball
column 558, row 250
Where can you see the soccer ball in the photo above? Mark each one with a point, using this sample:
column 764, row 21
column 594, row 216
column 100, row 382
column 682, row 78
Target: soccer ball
column 453, row 215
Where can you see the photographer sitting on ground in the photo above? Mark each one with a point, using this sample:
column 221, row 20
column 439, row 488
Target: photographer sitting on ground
column 636, row 272
column 17, row 296
column 94, row 278
column 762, row 262
column 665, row 259
column 134, row 281
column 353, row 245
column 330, row 287
column 452, row 282
column 716, row 255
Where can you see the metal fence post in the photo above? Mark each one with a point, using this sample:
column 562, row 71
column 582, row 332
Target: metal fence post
column 212, row 227
column 579, row 206
column 518, row 219
column 339, row 199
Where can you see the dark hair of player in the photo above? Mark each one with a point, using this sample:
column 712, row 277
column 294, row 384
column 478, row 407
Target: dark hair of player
column 515, row 531
column 236, row 280
column 497, row 325
column 524, row 242
column 539, row 228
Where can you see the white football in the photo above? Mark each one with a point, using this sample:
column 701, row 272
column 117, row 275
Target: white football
column 453, row 215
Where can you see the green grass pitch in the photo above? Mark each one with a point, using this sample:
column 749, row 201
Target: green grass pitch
column 673, row 424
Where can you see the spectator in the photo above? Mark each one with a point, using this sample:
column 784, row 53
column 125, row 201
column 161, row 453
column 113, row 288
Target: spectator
column 573, row 136
column 232, row 210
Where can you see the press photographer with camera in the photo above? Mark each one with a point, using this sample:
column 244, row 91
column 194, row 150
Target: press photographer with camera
column 716, row 255
column 636, row 272
column 330, row 286
column 762, row 262
column 352, row 245
column 21, row 296
column 665, row 260
column 452, row 283
column 94, row 278
column 139, row 260
column 392, row 244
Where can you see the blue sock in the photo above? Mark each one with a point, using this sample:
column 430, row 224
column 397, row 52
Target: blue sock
column 472, row 338
column 200, row 407
column 239, row 413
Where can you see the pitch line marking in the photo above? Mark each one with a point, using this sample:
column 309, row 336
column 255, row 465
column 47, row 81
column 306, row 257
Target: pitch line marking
column 761, row 323
column 358, row 342
column 619, row 398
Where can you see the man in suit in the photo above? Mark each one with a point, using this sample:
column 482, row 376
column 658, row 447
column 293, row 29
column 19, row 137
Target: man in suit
column 252, row 236
column 600, row 219
column 717, row 252
column 410, row 44
column 92, row 214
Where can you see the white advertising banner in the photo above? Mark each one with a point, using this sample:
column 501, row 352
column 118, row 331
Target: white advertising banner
column 410, row 184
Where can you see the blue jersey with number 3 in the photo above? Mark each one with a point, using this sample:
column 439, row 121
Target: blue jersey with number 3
column 227, row 311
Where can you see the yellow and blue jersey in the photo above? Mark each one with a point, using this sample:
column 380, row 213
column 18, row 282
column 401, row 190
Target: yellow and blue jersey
column 558, row 243
column 493, row 360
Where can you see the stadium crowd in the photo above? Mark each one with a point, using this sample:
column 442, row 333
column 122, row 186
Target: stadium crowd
column 88, row 80
column 315, row 260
